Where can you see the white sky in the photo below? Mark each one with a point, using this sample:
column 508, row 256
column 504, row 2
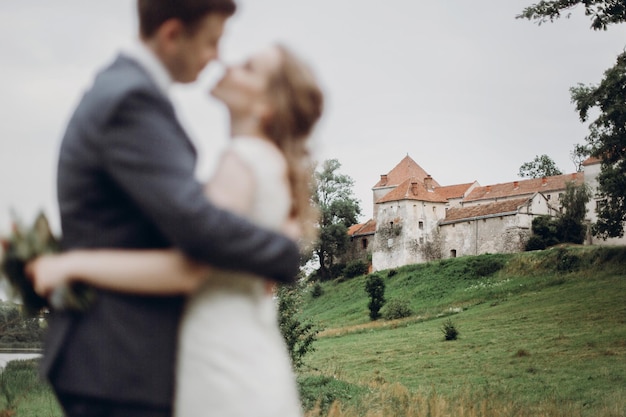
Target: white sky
column 468, row 91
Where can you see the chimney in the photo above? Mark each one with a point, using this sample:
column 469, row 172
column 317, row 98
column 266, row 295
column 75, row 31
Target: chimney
column 414, row 187
column 544, row 181
column 515, row 185
column 489, row 188
column 574, row 175
column 383, row 179
column 428, row 182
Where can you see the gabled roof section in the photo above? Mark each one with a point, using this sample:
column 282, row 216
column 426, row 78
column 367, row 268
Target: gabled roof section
column 454, row 191
column 407, row 168
column 413, row 189
column 524, row 187
column 506, row 207
column 361, row 229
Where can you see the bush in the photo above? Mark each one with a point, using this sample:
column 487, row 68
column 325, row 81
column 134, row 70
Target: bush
column 397, row 309
column 566, row 261
column 337, row 270
column 375, row 287
column 486, row 265
column 299, row 335
column 354, row 269
column 450, row 332
column 322, row 391
column 535, row 243
column 317, row 290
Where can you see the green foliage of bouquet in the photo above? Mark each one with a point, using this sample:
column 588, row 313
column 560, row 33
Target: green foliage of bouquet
column 25, row 244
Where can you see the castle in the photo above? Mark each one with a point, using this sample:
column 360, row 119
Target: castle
column 416, row 219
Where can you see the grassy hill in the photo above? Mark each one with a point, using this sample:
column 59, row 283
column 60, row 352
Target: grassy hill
column 541, row 334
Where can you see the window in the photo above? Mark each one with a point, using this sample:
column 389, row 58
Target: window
column 364, row 243
column 420, row 225
column 421, row 240
column 453, row 253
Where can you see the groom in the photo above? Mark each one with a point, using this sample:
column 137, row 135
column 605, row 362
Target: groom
column 126, row 180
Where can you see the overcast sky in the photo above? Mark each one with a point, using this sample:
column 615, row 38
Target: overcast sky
column 464, row 88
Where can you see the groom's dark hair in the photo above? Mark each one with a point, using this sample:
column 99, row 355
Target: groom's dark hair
column 153, row 13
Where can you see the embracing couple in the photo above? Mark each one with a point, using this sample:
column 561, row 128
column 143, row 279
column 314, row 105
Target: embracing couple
column 184, row 320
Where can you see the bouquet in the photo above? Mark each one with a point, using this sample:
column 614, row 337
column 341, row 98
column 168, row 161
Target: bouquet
column 25, row 244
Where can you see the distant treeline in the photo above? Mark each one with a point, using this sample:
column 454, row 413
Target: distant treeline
column 17, row 331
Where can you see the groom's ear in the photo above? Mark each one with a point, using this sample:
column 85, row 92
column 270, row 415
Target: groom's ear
column 169, row 34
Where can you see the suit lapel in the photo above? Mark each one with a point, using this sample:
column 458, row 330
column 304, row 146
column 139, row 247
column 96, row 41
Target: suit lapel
column 131, row 65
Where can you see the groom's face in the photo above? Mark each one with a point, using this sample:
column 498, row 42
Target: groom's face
column 191, row 51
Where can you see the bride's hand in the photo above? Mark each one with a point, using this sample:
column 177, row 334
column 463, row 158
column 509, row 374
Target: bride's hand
column 47, row 273
column 292, row 229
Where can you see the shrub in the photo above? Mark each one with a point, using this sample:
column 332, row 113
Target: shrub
column 566, row 261
column 317, row 290
column 450, row 332
column 322, row 391
column 354, row 269
column 397, row 309
column 483, row 266
column 299, row 335
column 337, row 270
column 375, row 287
column 535, row 243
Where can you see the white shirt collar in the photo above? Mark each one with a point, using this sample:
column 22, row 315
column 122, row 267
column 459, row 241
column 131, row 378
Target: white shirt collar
column 140, row 53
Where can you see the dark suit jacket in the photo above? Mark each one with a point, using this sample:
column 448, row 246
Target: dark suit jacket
column 126, row 180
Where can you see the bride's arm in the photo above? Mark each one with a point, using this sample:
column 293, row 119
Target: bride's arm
column 157, row 272
column 147, row 271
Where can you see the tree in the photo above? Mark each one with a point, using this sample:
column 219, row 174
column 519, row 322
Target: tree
column 571, row 225
column 541, row 166
column 567, row 227
column 339, row 210
column 607, row 133
column 375, row 287
column 607, row 140
column 18, row 330
column 579, row 154
column 603, row 12
column 299, row 334
column 544, row 233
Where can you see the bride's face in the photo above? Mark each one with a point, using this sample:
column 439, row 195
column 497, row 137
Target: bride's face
column 243, row 87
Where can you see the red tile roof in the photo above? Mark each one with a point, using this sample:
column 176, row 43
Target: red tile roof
column 592, row 160
column 524, row 187
column 367, row 228
column 413, row 189
column 355, row 227
column 454, row 191
column 488, row 209
column 407, row 168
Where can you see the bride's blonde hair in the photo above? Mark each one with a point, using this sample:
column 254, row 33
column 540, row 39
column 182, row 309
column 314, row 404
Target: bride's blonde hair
column 297, row 103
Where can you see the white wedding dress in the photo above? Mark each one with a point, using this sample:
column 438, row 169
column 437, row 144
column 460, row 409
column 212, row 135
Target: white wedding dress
column 232, row 359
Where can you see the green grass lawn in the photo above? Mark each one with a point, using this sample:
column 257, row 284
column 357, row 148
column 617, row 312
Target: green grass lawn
column 546, row 327
column 542, row 334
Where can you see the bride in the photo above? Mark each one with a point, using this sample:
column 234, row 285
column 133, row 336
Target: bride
column 232, row 360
